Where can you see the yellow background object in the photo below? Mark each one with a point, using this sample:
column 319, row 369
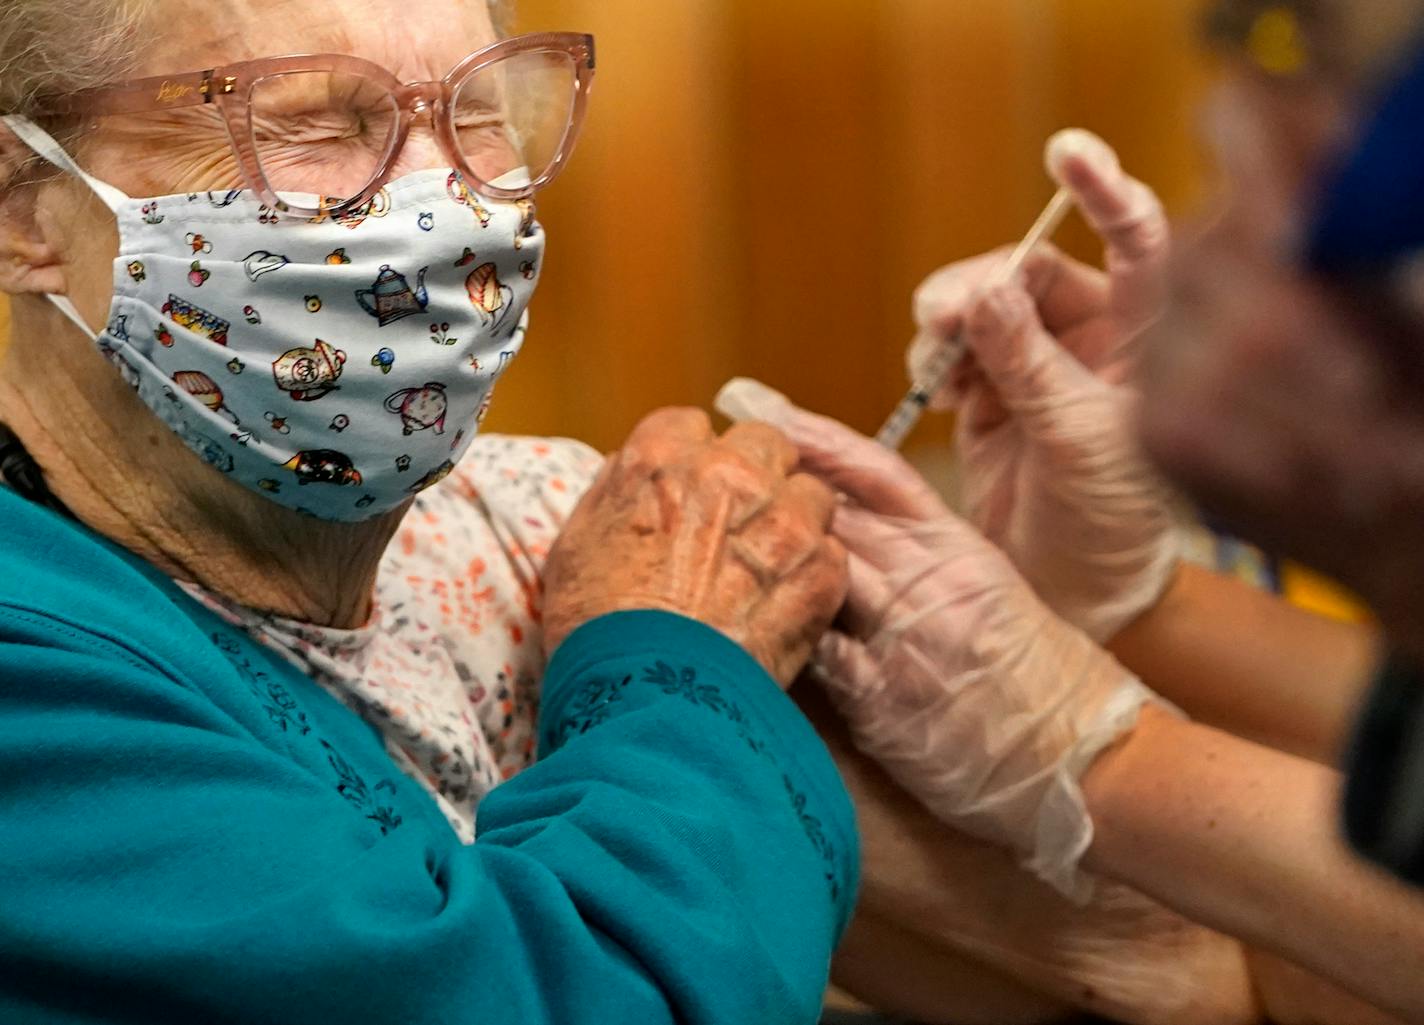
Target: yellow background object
column 1316, row 594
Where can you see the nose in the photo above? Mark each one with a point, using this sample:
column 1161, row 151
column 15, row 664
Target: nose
column 422, row 150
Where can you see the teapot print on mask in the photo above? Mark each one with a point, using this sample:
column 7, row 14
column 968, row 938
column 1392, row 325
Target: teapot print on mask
column 390, row 298
column 420, row 409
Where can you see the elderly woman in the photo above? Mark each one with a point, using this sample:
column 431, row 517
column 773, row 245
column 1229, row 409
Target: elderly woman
column 237, row 766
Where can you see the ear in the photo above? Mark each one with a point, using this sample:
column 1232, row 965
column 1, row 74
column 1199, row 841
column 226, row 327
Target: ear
column 29, row 259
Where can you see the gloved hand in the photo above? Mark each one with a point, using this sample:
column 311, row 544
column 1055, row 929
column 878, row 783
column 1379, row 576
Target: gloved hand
column 1052, row 471
column 952, row 674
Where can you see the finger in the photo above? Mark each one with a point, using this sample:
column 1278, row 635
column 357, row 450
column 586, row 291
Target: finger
column 849, row 673
column 1034, row 377
column 1067, row 292
column 942, row 299
column 812, row 499
column 868, row 598
column 762, row 445
column 857, row 466
column 981, row 411
column 666, row 435
column 812, row 591
column 924, row 351
column 1124, row 212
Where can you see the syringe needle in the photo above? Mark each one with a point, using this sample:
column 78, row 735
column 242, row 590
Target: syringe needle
column 908, row 413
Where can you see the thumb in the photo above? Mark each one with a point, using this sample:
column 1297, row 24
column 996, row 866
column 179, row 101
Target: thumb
column 1035, row 378
column 868, row 473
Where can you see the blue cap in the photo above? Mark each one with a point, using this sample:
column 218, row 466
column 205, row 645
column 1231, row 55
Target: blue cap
column 1371, row 214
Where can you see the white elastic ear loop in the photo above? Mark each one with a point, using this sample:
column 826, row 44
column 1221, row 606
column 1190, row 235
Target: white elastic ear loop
column 72, row 312
column 35, row 137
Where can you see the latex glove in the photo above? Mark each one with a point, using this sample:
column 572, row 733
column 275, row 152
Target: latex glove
column 951, row 672
column 1051, row 468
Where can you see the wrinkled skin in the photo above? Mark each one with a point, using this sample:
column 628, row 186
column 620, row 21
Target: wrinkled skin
column 717, row 529
column 104, row 454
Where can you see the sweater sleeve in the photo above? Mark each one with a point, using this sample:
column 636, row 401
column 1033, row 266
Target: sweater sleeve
column 683, row 852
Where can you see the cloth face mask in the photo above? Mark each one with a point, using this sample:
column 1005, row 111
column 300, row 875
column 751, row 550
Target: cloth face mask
column 336, row 366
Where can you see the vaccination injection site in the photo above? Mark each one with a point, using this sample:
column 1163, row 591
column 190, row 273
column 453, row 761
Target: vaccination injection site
column 948, row 548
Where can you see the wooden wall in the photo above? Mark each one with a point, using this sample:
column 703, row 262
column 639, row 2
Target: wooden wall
column 763, row 184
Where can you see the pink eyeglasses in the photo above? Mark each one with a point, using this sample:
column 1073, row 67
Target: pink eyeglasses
column 507, row 117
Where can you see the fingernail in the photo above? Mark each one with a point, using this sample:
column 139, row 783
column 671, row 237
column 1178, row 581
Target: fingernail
column 1082, row 146
column 743, row 399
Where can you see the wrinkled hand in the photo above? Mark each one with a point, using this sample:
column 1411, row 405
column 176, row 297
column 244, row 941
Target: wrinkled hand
column 716, row 529
column 1052, row 471
column 951, row 673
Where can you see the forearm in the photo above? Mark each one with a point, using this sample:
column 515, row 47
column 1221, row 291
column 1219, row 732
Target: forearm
column 1289, row 995
column 1247, row 840
column 934, row 899
column 1245, row 661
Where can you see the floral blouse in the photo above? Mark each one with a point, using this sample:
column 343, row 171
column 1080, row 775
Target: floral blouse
column 449, row 665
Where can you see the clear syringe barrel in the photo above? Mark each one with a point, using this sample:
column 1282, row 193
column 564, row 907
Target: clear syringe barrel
column 912, row 407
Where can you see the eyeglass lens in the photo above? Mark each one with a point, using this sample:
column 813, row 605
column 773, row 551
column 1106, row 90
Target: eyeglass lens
column 328, row 133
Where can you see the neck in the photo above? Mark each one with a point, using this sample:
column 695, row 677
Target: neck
column 126, row 476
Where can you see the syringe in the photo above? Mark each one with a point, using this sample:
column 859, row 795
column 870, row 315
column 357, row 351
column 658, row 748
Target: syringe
column 908, row 413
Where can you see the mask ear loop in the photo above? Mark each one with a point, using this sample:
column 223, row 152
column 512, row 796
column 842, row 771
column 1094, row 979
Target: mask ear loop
column 35, row 137
column 44, row 145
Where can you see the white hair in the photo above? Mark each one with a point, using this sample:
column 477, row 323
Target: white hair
column 50, row 47
column 60, row 46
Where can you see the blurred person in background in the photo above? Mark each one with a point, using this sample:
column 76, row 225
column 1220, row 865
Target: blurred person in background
column 1284, row 384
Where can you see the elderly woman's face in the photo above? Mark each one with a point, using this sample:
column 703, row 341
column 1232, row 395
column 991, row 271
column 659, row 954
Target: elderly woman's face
column 187, row 150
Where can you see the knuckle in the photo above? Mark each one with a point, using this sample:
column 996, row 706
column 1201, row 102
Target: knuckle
column 723, row 469
column 944, row 295
column 757, row 437
column 671, row 425
column 813, row 491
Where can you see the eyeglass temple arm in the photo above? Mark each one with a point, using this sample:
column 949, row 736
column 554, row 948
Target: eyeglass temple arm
column 168, row 92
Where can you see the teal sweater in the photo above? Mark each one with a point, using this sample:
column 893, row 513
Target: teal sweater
column 192, row 831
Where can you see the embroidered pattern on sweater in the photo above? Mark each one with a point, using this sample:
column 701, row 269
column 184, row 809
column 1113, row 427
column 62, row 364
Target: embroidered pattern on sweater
column 449, row 666
column 593, row 705
column 286, row 714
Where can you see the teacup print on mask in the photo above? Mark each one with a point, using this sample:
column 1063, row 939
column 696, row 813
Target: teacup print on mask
column 180, row 327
